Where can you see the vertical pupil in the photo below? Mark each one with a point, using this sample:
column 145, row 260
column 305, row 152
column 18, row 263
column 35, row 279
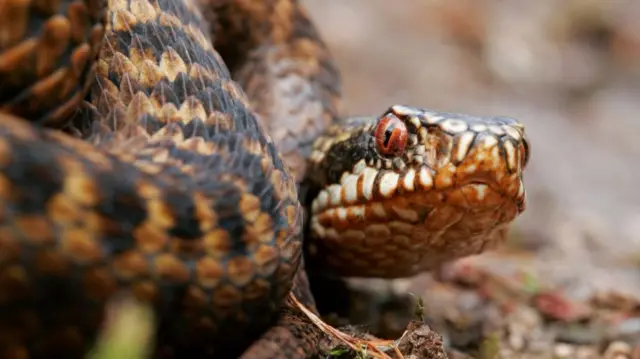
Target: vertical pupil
column 387, row 135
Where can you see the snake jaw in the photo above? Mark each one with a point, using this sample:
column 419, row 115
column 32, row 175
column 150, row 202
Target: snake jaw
column 452, row 192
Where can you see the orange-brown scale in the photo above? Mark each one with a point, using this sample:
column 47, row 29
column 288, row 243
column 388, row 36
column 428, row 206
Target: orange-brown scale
column 47, row 49
column 449, row 189
column 391, row 245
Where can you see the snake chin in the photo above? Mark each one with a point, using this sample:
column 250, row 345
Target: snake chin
column 411, row 232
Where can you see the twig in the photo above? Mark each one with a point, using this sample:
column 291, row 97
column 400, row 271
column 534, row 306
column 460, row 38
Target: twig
column 352, row 342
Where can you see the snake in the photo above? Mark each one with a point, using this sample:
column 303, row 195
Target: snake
column 192, row 154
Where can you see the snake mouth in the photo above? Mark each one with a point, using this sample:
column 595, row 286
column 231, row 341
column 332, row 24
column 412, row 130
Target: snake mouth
column 453, row 193
column 410, row 232
column 413, row 231
column 417, row 226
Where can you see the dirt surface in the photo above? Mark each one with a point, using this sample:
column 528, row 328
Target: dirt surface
column 570, row 71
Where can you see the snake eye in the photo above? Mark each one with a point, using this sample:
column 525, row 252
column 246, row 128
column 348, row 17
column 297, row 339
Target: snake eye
column 391, row 135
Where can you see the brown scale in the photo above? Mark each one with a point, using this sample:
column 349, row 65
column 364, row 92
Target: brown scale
column 46, row 76
column 78, row 244
column 240, row 30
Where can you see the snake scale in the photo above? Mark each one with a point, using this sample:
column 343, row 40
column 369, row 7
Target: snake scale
column 134, row 159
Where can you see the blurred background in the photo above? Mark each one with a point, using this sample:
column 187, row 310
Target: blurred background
column 570, row 71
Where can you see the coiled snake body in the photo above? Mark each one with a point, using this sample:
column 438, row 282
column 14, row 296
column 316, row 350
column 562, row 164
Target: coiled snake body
column 131, row 161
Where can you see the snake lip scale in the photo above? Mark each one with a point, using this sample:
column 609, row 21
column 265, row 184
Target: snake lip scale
column 132, row 160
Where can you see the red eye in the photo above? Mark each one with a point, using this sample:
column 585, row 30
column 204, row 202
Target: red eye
column 391, row 135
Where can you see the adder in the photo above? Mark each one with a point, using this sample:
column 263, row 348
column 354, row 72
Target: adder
column 180, row 150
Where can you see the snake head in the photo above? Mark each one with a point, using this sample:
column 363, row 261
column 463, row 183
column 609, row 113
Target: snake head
column 411, row 189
